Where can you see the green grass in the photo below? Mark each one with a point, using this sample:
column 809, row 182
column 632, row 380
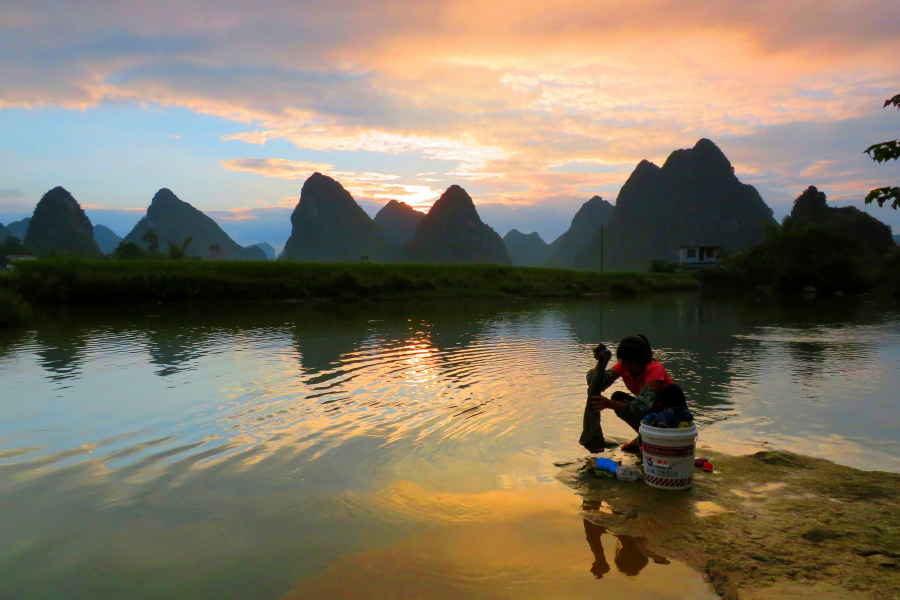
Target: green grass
column 13, row 309
column 123, row 281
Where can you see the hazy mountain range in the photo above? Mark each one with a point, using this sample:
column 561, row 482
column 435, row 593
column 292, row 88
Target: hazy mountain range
column 106, row 239
column 398, row 222
column 693, row 199
column 526, row 250
column 174, row 220
column 593, row 214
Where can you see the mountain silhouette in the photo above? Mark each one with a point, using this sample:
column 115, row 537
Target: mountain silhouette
column 453, row 233
column 266, row 248
column 398, row 222
column 585, row 224
column 106, row 239
column 526, row 250
column 693, row 199
column 59, row 225
column 811, row 210
column 19, row 228
column 329, row 226
column 4, row 233
column 174, row 220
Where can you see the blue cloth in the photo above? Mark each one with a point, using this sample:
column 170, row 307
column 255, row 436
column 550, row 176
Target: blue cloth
column 607, row 464
column 669, row 418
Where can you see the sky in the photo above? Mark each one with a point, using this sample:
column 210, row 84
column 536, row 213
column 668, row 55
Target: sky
column 533, row 107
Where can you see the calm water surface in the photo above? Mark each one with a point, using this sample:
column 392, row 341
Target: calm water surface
column 389, row 451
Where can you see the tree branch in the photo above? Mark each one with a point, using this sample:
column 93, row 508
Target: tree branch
column 882, row 195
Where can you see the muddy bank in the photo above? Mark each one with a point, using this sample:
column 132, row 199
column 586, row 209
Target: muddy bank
column 768, row 525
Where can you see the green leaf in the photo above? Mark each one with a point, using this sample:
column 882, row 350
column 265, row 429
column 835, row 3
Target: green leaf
column 895, row 101
column 884, row 151
column 882, row 195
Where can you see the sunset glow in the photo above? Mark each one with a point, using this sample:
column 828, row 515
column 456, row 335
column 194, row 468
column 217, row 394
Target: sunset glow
column 532, row 107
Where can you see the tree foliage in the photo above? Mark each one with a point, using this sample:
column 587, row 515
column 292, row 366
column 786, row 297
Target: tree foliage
column 152, row 240
column 129, row 251
column 12, row 245
column 882, row 152
column 177, row 252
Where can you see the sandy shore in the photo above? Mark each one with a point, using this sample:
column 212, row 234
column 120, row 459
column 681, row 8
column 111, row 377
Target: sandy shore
column 765, row 526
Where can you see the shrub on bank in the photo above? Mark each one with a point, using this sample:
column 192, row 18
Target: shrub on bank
column 128, row 281
column 793, row 260
column 888, row 278
column 13, row 309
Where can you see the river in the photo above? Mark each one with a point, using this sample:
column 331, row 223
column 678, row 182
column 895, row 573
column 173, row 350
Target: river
column 394, row 450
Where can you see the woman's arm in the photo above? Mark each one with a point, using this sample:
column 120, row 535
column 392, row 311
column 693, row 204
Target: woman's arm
column 640, row 404
column 598, row 380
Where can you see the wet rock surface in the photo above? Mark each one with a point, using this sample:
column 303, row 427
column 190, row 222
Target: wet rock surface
column 767, row 525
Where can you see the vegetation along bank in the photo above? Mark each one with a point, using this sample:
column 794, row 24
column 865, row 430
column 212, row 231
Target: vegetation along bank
column 125, row 281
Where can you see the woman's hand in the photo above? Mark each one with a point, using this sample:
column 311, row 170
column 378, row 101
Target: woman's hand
column 601, row 402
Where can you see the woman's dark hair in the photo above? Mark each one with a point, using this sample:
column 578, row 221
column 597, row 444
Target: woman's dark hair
column 636, row 348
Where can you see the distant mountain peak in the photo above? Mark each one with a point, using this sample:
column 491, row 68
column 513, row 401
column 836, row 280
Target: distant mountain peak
column 810, row 199
column 328, row 225
column 453, row 232
column 593, row 214
column 398, row 221
column 526, row 250
column 106, row 239
column 174, row 220
column 695, row 197
column 60, row 225
column 454, row 200
column 811, row 210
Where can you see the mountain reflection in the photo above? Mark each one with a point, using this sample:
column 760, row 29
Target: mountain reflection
column 172, row 349
column 62, row 353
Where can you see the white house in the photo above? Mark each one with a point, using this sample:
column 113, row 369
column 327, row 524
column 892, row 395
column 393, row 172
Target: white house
column 12, row 259
column 699, row 256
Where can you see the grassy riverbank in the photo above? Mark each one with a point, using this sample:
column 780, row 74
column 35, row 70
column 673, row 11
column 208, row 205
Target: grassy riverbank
column 123, row 281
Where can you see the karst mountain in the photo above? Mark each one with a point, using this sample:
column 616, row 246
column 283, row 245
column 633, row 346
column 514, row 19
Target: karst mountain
column 18, row 228
column 693, row 199
column 585, row 224
column 60, row 226
column 398, row 222
column 329, row 226
column 174, row 220
column 811, row 210
column 453, row 233
column 526, row 250
column 106, row 239
column 266, row 248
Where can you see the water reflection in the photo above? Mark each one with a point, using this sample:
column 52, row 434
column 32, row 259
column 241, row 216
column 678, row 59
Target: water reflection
column 173, row 349
column 62, row 353
column 631, row 556
column 253, row 446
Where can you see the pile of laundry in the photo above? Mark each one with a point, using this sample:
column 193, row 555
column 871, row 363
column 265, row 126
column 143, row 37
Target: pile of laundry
column 671, row 418
column 606, row 467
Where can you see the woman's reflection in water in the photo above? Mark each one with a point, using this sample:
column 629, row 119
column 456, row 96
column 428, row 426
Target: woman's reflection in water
column 632, row 555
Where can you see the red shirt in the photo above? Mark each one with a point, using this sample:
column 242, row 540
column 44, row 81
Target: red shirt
column 654, row 372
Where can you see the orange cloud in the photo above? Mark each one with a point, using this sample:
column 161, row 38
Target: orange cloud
column 506, row 90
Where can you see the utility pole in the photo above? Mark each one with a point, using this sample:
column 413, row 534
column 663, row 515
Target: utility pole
column 601, row 248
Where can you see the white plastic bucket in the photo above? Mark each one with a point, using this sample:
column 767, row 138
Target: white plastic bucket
column 668, row 456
